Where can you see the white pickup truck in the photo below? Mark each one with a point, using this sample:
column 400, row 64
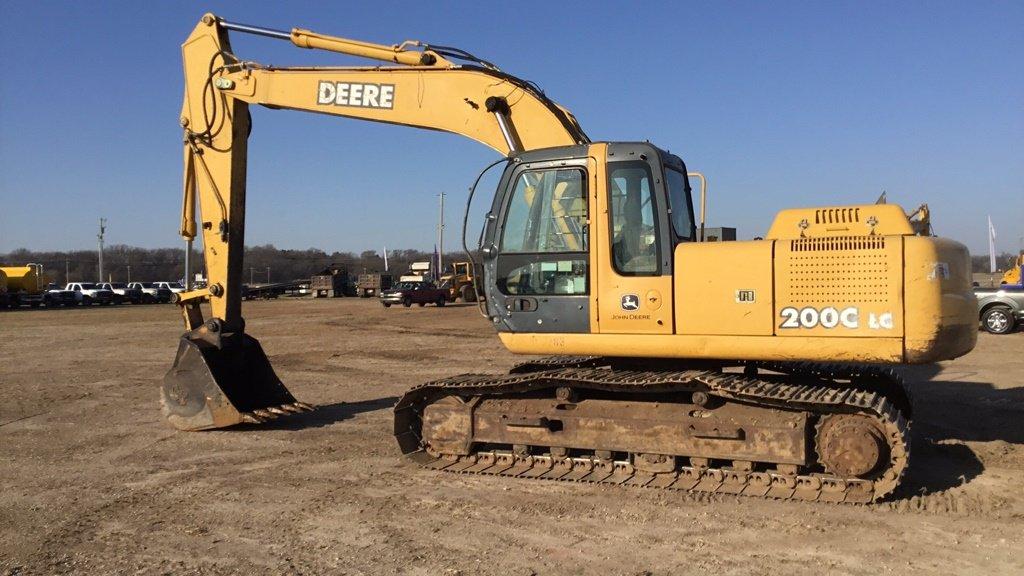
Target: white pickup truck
column 88, row 293
column 152, row 292
column 174, row 287
column 122, row 293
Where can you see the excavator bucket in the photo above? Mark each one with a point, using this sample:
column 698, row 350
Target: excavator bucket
column 215, row 386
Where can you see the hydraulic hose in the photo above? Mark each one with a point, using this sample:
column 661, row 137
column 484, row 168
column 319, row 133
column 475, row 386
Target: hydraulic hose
column 465, row 224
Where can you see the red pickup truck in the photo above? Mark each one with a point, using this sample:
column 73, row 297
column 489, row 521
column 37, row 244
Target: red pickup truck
column 409, row 293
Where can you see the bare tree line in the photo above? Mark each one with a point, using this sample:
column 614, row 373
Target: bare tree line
column 123, row 263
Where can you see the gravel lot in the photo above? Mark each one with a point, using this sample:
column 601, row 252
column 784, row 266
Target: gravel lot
column 95, row 482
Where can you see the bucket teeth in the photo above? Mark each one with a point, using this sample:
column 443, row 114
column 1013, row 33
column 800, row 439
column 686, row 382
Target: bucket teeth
column 250, row 418
column 261, row 415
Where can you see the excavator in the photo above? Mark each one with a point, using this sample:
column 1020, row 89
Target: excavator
column 762, row 368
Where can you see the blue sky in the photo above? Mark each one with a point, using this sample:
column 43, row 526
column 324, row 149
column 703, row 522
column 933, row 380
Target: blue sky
column 780, row 104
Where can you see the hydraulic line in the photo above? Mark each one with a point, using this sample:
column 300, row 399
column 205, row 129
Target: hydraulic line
column 465, row 224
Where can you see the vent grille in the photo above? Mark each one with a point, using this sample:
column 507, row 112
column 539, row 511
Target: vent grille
column 861, row 278
column 843, row 270
column 837, row 243
column 837, row 215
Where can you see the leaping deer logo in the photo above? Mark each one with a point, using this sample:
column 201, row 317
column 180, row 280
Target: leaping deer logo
column 630, row 302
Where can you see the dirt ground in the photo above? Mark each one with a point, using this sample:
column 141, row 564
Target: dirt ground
column 95, row 482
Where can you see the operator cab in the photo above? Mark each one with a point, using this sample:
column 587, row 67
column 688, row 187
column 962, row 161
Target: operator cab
column 546, row 254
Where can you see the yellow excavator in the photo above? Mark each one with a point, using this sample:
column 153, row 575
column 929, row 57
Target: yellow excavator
column 753, row 367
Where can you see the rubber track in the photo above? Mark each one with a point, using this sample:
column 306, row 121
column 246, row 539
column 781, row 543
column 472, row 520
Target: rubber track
column 814, row 397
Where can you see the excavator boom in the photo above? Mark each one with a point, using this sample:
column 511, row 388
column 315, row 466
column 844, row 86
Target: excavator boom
column 422, row 89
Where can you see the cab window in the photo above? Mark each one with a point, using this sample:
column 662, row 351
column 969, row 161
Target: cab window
column 681, row 204
column 547, row 213
column 635, row 247
column 545, row 236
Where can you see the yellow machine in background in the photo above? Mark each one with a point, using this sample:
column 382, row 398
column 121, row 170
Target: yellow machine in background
column 25, row 285
column 679, row 363
column 1015, row 272
column 23, row 278
column 460, row 282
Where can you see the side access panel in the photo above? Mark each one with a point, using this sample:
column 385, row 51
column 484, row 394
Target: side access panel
column 724, row 288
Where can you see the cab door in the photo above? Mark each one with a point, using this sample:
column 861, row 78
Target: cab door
column 632, row 241
column 537, row 248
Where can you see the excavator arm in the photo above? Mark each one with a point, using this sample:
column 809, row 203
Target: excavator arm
column 221, row 376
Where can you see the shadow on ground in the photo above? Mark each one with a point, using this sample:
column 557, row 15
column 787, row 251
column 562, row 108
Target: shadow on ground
column 937, row 468
column 949, row 413
column 964, row 410
column 323, row 415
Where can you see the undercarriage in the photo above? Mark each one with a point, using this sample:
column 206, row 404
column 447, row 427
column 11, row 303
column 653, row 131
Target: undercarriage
column 819, row 432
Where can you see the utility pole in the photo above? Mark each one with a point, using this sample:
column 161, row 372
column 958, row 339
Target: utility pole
column 268, row 274
column 250, row 275
column 103, row 228
column 440, row 240
column 67, row 271
column 129, row 273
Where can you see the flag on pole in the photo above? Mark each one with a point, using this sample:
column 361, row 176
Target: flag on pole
column 991, row 246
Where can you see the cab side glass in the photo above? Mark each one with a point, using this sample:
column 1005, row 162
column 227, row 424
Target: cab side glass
column 681, row 204
column 545, row 237
column 547, row 213
column 635, row 246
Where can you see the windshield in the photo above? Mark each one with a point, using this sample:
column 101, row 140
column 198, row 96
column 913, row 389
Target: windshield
column 117, row 285
column 149, row 285
column 87, row 286
column 680, row 203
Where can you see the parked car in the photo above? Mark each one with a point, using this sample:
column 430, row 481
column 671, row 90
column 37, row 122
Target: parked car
column 89, row 293
column 1000, row 309
column 409, row 293
column 151, row 293
column 122, row 293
